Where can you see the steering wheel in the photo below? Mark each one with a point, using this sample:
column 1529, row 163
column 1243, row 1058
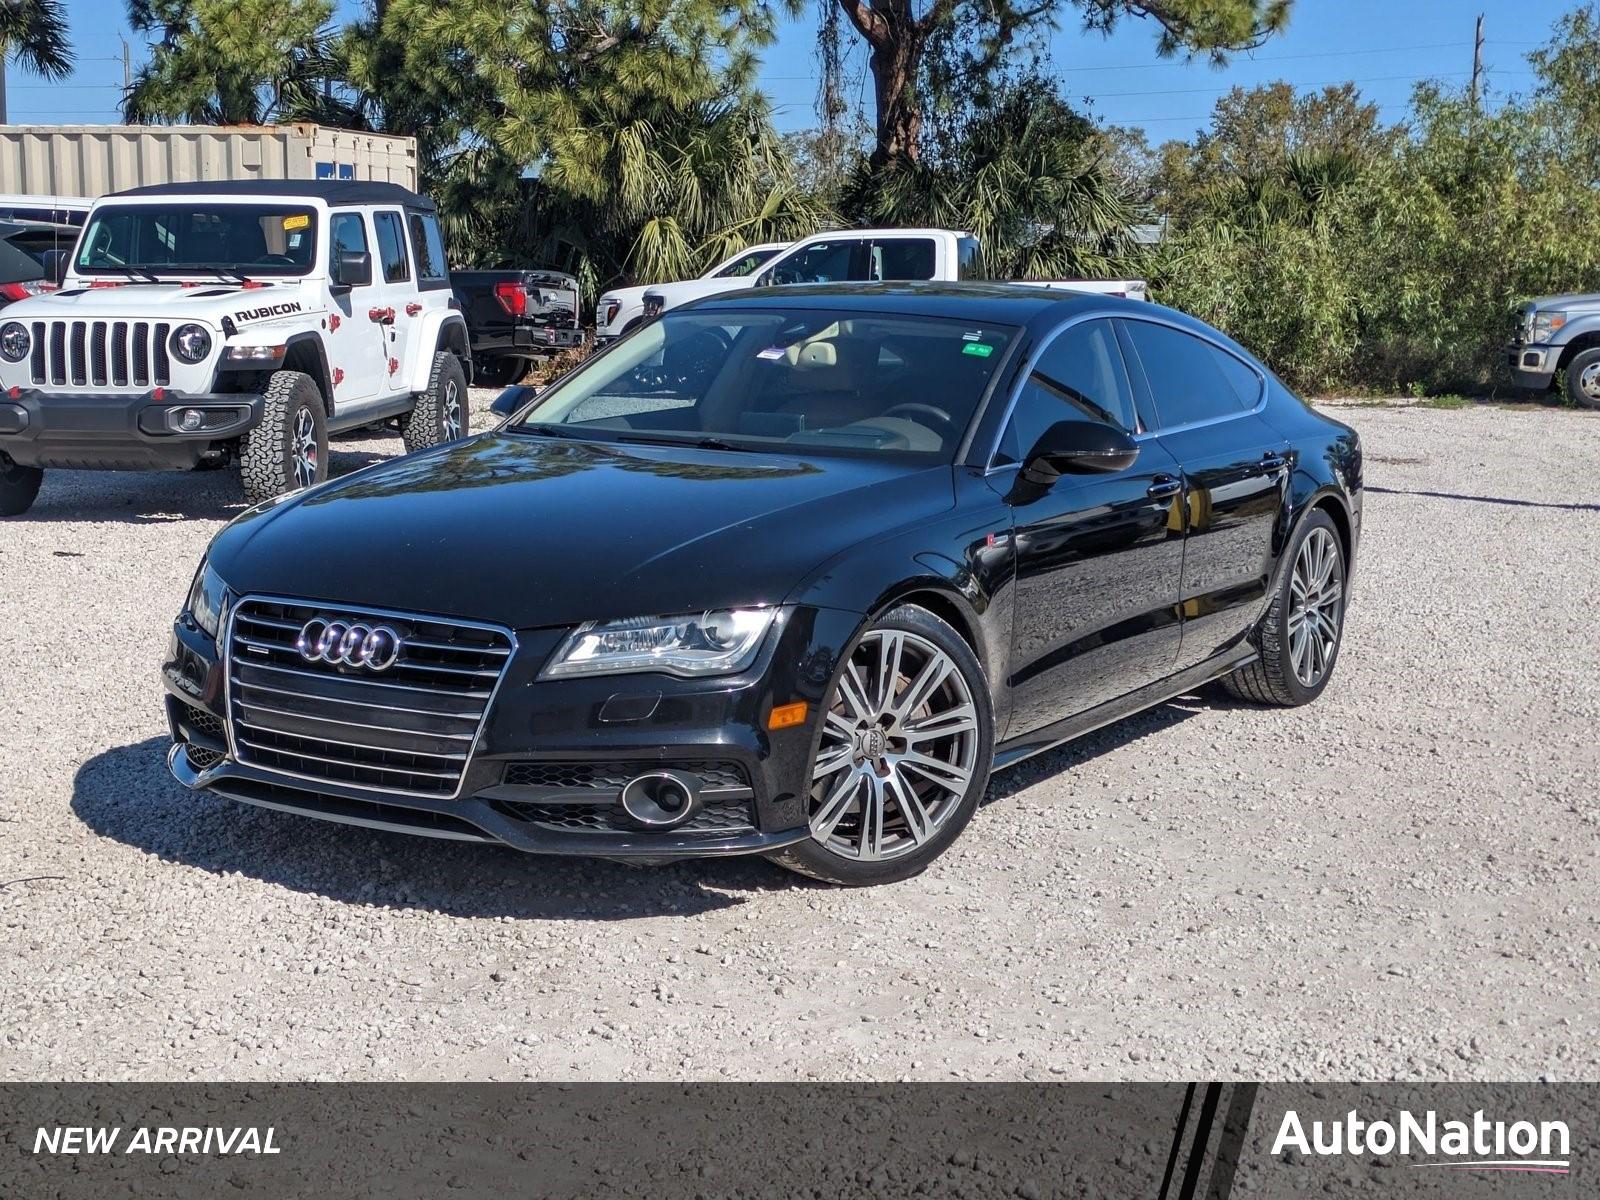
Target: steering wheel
column 278, row 258
column 944, row 421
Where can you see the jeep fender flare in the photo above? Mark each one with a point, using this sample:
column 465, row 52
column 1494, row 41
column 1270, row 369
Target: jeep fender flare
column 305, row 352
column 439, row 329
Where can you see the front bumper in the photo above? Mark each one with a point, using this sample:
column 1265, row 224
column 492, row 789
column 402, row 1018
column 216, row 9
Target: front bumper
column 118, row 431
column 1532, row 366
column 538, row 736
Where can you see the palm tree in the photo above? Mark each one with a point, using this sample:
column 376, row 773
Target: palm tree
column 34, row 33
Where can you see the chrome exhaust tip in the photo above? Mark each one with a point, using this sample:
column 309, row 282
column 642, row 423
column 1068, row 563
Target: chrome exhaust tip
column 661, row 799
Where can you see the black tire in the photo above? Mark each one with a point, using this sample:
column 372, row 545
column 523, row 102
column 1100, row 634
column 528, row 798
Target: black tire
column 18, row 486
column 814, row 858
column 440, row 414
column 288, row 450
column 1272, row 679
column 498, row 372
column 1580, row 391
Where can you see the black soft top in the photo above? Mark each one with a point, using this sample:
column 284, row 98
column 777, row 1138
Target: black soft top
column 330, row 191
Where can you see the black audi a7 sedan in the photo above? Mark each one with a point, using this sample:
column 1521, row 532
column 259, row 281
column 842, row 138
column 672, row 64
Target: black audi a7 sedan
column 786, row 572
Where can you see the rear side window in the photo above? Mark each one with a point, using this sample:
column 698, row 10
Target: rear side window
column 824, row 262
column 1079, row 377
column 1243, row 378
column 967, row 264
column 391, row 247
column 903, row 258
column 1186, row 379
column 428, row 246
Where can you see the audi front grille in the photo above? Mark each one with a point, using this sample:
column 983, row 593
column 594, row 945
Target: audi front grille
column 408, row 728
column 100, row 353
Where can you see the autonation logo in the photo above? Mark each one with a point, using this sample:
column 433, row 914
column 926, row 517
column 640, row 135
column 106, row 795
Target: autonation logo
column 1480, row 1144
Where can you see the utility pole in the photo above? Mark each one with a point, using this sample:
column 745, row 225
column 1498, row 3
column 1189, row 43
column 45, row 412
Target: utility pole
column 1477, row 65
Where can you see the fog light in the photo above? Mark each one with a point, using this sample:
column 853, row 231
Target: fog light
column 191, row 419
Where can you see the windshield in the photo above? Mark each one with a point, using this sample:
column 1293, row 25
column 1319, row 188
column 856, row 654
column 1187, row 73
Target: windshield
column 185, row 238
column 804, row 381
column 744, row 264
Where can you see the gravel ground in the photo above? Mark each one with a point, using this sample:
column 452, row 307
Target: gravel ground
column 1398, row 881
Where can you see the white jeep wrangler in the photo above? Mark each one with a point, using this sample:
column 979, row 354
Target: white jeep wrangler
column 204, row 323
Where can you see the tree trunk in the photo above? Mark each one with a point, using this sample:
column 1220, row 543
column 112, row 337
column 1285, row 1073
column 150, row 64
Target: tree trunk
column 894, row 68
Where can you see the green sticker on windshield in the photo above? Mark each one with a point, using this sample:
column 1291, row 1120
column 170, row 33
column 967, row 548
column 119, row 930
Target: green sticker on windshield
column 978, row 348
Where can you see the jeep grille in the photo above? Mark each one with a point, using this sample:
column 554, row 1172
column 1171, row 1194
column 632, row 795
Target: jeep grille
column 100, row 353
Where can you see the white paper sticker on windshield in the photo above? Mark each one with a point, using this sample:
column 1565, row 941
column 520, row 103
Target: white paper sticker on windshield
column 771, row 352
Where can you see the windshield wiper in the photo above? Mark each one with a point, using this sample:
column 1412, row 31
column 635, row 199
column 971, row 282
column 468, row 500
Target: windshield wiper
column 139, row 272
column 539, row 429
column 227, row 272
column 699, row 443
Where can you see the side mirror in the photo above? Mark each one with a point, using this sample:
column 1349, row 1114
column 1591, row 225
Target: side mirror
column 1078, row 448
column 352, row 269
column 513, row 398
column 55, row 265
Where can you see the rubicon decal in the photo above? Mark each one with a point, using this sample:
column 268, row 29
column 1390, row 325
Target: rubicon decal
column 1477, row 1144
column 269, row 310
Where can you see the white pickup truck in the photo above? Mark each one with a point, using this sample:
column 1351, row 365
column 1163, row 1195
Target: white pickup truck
column 621, row 310
column 866, row 255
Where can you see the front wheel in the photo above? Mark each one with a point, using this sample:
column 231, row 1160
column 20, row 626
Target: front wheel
column 1583, row 379
column 18, row 486
column 1299, row 637
column 439, row 414
column 902, row 757
column 288, row 449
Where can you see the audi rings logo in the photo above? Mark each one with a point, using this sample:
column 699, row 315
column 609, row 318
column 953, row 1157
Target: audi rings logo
column 349, row 644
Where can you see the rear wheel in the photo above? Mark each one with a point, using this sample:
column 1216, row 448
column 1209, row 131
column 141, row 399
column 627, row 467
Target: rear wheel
column 1583, row 378
column 498, row 372
column 18, row 486
column 903, row 755
column 1299, row 637
column 439, row 414
column 288, row 450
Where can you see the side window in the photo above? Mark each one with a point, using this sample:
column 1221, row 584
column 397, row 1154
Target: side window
column 1080, row 376
column 347, row 235
column 428, row 246
column 823, row 262
column 903, row 258
column 1186, row 380
column 391, row 247
column 1244, row 379
column 967, row 265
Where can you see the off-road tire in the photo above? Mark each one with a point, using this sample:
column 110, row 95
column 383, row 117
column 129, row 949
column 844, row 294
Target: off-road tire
column 498, row 372
column 1589, row 360
column 424, row 426
column 267, row 452
column 813, row 859
column 1271, row 679
column 18, row 486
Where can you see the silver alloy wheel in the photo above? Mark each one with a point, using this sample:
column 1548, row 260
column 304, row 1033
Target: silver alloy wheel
column 1589, row 380
column 303, row 448
column 452, row 411
column 899, row 748
column 1316, row 606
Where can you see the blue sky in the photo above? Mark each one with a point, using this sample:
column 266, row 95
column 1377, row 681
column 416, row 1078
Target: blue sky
column 1384, row 45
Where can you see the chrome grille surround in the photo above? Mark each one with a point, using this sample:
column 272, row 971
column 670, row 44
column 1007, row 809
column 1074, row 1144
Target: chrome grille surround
column 411, row 731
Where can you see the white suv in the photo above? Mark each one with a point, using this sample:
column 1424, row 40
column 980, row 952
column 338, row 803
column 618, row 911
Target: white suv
column 229, row 321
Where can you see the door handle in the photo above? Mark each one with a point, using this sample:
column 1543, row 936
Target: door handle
column 1272, row 461
column 1164, row 487
column 383, row 316
column 413, row 309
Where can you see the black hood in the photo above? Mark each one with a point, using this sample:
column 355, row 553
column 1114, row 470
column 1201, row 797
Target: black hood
column 527, row 531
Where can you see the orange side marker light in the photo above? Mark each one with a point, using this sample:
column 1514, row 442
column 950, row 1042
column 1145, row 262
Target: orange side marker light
column 786, row 716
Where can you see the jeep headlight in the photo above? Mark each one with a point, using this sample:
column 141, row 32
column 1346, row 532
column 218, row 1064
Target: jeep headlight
column 719, row 642
column 191, row 343
column 14, row 341
column 1545, row 324
column 208, row 599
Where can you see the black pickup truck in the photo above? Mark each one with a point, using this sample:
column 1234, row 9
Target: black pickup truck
column 514, row 317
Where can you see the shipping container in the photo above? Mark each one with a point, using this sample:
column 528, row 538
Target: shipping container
column 92, row 160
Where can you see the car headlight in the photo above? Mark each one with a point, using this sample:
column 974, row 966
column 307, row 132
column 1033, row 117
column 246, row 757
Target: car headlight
column 14, row 341
column 208, row 599
column 1546, row 323
column 710, row 643
column 191, row 343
